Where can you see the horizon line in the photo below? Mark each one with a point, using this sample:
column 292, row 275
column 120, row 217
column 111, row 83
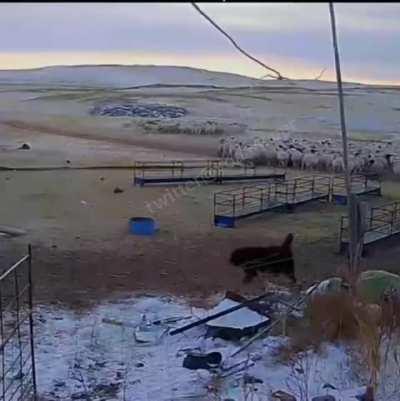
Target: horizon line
column 192, row 68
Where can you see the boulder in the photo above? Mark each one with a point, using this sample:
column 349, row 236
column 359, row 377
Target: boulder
column 372, row 285
column 330, row 286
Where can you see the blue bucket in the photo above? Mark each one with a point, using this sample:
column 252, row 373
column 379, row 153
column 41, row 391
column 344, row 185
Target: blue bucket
column 143, row 226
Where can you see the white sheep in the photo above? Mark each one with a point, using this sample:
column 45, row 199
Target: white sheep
column 310, row 160
column 282, row 156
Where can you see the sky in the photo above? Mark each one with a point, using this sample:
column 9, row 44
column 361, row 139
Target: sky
column 294, row 38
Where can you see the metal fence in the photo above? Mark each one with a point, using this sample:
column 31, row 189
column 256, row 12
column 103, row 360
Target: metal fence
column 361, row 184
column 17, row 359
column 234, row 204
column 382, row 222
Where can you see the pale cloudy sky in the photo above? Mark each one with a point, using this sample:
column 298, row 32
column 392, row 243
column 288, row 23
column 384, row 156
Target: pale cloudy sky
column 294, row 38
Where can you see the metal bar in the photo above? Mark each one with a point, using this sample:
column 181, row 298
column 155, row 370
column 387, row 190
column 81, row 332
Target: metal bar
column 13, row 267
column 31, row 320
column 17, row 318
column 268, row 328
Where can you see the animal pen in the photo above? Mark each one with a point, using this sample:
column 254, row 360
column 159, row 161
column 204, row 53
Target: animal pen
column 381, row 222
column 360, row 185
column 203, row 171
column 281, row 195
column 18, row 380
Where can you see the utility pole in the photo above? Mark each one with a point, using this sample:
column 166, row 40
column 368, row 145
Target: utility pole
column 351, row 200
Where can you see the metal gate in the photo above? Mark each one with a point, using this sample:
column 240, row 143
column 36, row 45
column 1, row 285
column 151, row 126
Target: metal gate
column 17, row 359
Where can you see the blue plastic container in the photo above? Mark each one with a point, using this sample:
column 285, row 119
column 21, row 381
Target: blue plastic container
column 224, row 221
column 143, row 226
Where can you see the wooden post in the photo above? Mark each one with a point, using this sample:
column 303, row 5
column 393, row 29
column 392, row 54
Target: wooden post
column 369, row 395
column 353, row 263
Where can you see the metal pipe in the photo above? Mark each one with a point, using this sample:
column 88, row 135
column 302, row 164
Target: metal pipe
column 344, row 139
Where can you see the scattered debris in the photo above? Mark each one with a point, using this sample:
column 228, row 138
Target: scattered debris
column 213, row 316
column 148, row 333
column 282, row 396
column 118, row 190
column 194, row 361
column 238, row 324
column 249, row 379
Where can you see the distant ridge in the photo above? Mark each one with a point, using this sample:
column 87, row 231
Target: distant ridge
column 136, row 76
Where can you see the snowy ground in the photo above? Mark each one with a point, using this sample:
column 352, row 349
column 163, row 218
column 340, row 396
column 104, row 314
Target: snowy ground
column 81, row 357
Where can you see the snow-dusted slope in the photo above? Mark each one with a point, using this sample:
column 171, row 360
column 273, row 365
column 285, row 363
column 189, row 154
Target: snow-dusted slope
column 125, row 76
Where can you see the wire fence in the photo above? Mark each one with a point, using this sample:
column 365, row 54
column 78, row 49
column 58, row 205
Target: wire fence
column 17, row 359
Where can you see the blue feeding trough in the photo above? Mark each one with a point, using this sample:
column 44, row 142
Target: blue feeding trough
column 143, row 226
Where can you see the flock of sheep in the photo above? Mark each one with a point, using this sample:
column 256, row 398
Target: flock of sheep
column 306, row 154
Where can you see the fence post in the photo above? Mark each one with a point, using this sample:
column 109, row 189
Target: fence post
column 30, row 295
column 313, row 185
column 294, row 190
column 261, row 198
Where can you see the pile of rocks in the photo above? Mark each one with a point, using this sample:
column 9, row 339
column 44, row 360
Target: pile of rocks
column 139, row 110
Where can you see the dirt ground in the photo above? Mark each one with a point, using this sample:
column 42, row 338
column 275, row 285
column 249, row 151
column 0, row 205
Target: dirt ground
column 83, row 249
column 79, row 229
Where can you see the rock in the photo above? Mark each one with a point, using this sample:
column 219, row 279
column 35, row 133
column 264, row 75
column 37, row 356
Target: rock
column 139, row 365
column 118, row 190
column 324, row 398
column 282, row 396
column 25, row 146
column 102, row 178
column 373, row 284
column 330, row 286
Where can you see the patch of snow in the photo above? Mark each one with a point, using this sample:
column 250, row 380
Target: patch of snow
column 78, row 355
